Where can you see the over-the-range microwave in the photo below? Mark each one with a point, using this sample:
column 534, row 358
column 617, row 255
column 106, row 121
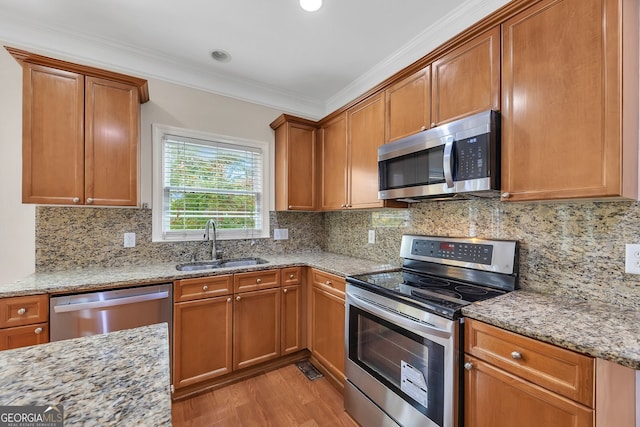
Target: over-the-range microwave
column 458, row 157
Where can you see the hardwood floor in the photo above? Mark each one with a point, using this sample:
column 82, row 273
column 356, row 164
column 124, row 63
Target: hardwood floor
column 279, row 398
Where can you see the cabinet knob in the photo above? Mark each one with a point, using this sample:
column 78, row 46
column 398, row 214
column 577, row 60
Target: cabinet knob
column 344, row 205
column 433, row 125
column 258, row 280
column 22, row 311
column 505, row 195
column 290, row 207
column 76, row 200
column 329, row 283
column 229, row 299
column 38, row 330
column 205, row 288
column 468, row 366
column 291, row 276
column 423, row 128
column 516, row 355
column 89, row 200
column 238, row 298
column 284, row 290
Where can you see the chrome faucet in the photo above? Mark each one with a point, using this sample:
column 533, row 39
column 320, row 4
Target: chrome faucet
column 215, row 252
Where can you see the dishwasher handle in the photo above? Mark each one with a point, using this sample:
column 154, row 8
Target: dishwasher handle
column 110, row 302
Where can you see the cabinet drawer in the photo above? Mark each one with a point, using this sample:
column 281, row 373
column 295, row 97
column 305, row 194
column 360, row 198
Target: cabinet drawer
column 255, row 280
column 329, row 282
column 202, row 287
column 23, row 336
column 291, row 276
column 563, row 371
column 18, row 311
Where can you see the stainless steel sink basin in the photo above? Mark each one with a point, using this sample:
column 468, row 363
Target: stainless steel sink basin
column 221, row 263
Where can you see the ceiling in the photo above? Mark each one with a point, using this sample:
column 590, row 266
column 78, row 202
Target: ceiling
column 302, row 63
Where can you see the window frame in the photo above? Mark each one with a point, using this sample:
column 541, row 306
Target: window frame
column 158, row 202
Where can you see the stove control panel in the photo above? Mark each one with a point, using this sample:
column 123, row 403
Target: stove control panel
column 458, row 251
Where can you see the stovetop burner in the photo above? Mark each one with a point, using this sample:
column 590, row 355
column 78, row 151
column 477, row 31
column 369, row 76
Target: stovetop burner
column 442, row 275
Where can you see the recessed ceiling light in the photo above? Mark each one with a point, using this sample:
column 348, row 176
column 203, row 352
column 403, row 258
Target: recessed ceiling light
column 311, row 5
column 221, row 55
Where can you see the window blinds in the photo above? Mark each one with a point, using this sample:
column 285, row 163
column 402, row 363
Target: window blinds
column 208, row 179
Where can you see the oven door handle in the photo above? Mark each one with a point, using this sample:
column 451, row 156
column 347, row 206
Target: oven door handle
column 400, row 320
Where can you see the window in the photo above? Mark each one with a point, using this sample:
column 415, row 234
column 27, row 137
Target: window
column 198, row 176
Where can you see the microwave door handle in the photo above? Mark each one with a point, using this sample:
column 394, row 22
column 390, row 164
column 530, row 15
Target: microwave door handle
column 446, row 161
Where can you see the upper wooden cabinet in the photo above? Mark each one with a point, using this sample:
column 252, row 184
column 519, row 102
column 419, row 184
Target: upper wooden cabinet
column 464, row 81
column 295, row 164
column 333, row 161
column 408, row 105
column 567, row 130
column 80, row 133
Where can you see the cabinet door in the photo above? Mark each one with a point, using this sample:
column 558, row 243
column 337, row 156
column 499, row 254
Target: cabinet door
column 408, row 105
column 256, row 327
column 202, row 334
column 53, row 136
column 295, row 167
column 333, row 161
column 327, row 330
column 23, row 336
column 292, row 324
column 366, row 133
column 467, row 80
column 111, row 143
column 495, row 398
column 561, row 101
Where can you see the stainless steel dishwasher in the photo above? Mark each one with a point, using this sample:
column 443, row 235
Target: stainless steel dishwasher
column 91, row 313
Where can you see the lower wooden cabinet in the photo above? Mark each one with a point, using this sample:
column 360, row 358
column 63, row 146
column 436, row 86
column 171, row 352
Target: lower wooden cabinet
column 24, row 321
column 292, row 336
column 256, row 327
column 203, row 332
column 327, row 322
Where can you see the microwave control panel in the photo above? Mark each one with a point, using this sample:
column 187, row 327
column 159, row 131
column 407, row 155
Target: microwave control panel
column 472, row 158
column 458, row 251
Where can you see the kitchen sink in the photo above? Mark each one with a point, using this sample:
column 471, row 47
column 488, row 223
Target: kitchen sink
column 221, row 263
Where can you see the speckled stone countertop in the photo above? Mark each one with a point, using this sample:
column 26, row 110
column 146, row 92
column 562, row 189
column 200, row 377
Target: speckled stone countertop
column 120, row 378
column 593, row 328
column 103, row 278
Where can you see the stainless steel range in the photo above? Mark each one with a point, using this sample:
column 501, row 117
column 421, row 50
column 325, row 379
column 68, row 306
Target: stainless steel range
column 403, row 336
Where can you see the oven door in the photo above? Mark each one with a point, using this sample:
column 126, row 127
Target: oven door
column 397, row 367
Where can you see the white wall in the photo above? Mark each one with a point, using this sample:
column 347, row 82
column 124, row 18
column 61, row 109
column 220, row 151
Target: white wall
column 17, row 221
column 169, row 104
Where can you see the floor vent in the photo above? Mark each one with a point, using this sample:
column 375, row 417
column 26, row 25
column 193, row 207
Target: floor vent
column 310, row 371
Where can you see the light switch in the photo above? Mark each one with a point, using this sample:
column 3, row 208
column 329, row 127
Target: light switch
column 129, row 240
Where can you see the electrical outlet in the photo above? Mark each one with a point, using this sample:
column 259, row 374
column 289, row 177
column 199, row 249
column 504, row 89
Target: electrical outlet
column 280, row 233
column 372, row 236
column 632, row 259
column 129, row 240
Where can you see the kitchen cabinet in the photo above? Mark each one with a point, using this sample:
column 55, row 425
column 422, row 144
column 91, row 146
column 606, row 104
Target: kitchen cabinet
column 292, row 314
column 203, row 329
column 547, row 384
column 256, row 318
column 567, row 130
column 461, row 82
column 333, row 160
column 24, row 321
column 295, row 164
column 80, row 133
column 327, row 301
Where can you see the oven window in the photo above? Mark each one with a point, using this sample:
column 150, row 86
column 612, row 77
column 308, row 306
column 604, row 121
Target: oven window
column 410, row 365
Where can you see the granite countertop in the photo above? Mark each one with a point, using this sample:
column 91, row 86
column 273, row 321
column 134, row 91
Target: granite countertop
column 597, row 329
column 103, row 278
column 119, row 378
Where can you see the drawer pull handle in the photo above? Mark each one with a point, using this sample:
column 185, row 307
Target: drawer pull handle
column 516, row 355
column 22, row 311
column 205, row 288
column 291, row 276
column 468, row 366
column 258, row 280
column 38, row 330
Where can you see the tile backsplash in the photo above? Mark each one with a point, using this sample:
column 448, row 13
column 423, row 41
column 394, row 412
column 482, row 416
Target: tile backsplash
column 573, row 249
